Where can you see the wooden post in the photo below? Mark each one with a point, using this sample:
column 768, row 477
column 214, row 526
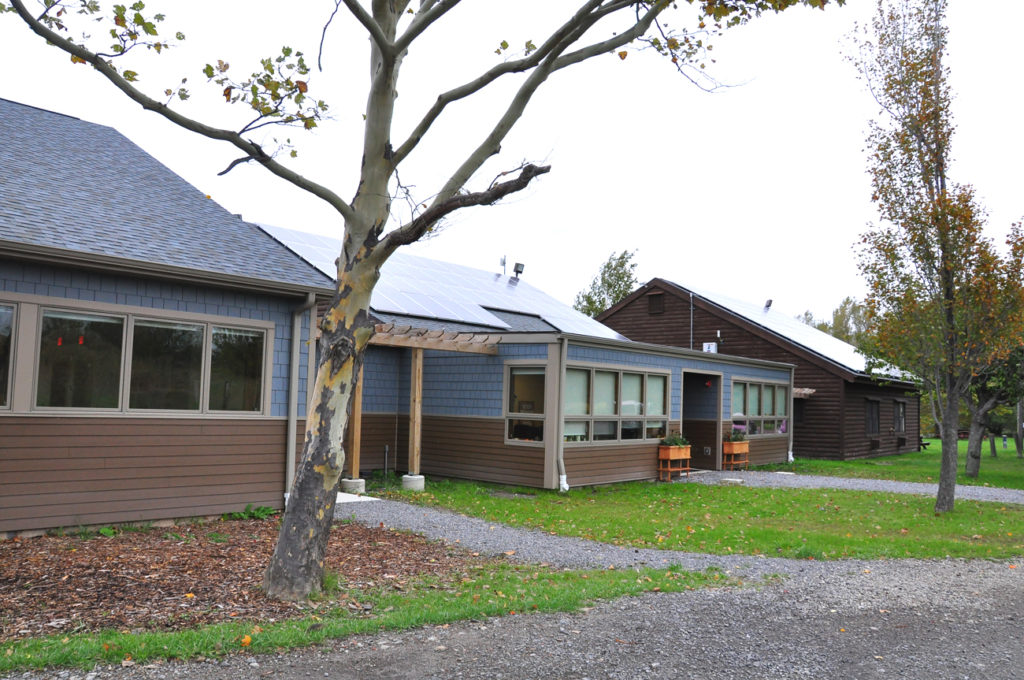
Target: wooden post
column 355, row 428
column 415, row 411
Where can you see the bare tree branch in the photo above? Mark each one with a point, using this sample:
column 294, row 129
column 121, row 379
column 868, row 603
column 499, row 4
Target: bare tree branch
column 424, row 18
column 386, row 48
column 323, row 36
column 412, row 231
column 250, row 148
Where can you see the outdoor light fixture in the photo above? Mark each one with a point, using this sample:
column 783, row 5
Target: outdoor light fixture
column 518, row 269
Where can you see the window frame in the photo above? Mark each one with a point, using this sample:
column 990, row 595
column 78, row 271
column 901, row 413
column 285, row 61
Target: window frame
column 646, row 420
column 511, row 415
column 128, row 316
column 872, row 418
column 753, row 425
column 899, row 417
column 7, row 395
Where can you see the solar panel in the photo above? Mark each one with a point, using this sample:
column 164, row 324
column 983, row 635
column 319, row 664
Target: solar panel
column 418, row 286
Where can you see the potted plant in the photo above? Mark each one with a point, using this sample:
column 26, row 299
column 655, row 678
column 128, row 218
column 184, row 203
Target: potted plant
column 673, row 447
column 736, row 442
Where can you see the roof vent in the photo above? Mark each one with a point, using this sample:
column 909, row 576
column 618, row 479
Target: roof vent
column 768, row 305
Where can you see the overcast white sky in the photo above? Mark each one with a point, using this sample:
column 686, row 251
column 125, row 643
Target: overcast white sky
column 756, row 191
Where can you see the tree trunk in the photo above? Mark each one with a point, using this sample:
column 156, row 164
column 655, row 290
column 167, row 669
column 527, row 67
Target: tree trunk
column 992, row 445
column 947, row 470
column 296, row 568
column 1018, row 430
column 975, row 436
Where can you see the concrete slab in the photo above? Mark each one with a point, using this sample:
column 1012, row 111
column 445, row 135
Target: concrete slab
column 353, row 498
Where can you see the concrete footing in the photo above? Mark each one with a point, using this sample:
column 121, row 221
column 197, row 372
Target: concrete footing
column 353, row 486
column 412, row 482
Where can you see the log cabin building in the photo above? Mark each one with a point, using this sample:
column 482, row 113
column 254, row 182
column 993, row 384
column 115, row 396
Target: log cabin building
column 840, row 411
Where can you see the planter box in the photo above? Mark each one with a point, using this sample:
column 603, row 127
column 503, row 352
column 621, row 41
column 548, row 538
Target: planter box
column 736, row 447
column 673, row 452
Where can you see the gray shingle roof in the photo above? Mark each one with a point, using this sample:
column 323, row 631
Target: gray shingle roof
column 77, row 186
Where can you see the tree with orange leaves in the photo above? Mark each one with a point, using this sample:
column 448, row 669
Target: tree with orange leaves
column 943, row 303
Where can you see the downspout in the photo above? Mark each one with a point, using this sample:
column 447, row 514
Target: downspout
column 563, row 356
column 293, row 391
column 792, row 383
column 691, row 320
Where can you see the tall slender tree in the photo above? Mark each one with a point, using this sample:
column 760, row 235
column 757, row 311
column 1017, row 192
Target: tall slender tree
column 278, row 92
column 614, row 281
column 942, row 303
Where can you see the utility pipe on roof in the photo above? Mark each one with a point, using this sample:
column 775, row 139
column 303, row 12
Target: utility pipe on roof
column 563, row 357
column 293, row 390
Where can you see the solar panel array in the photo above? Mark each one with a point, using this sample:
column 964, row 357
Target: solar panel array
column 418, row 286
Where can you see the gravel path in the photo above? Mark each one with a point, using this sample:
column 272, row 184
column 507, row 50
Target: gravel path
column 915, row 619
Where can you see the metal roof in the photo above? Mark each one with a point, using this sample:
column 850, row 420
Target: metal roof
column 416, row 286
column 71, row 186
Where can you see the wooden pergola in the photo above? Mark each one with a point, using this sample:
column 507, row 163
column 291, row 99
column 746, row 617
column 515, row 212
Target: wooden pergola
column 416, row 339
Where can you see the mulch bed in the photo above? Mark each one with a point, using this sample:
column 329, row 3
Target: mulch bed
column 178, row 577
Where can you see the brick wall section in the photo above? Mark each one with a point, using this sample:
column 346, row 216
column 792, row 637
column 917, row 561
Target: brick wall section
column 59, row 283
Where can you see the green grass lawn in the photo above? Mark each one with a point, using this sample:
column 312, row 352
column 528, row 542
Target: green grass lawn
column 1005, row 471
column 799, row 523
column 493, row 590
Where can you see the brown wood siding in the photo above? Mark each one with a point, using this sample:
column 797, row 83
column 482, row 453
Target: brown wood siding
column 66, row 472
column 887, row 441
column 703, row 434
column 587, row 465
column 474, row 448
column 385, row 437
column 819, row 435
column 768, row 450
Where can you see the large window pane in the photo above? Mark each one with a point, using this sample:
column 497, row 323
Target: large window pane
column 6, row 332
column 167, row 360
column 79, row 360
column 526, row 390
column 632, row 395
column 526, row 430
column 767, row 400
column 577, row 392
column 781, row 401
column 606, row 393
column 739, row 399
column 656, row 395
column 236, row 370
column 753, row 400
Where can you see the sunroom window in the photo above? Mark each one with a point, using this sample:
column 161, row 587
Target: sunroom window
column 236, row 370
column 760, row 408
column 80, row 360
column 603, row 405
column 167, row 366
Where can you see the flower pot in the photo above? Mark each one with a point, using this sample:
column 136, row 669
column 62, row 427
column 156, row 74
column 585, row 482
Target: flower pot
column 736, row 447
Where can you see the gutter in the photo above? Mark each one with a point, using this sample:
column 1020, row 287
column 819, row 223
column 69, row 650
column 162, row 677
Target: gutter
column 563, row 356
column 789, row 407
column 293, row 390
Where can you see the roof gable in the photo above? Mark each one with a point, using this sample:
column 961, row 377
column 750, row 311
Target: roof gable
column 413, row 286
column 70, row 186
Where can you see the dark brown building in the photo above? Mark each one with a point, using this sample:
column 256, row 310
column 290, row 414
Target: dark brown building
column 839, row 409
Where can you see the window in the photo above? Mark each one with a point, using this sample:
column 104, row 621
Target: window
column 606, row 405
column 526, row 403
column 899, row 417
column 236, row 370
column 760, row 408
column 167, row 364
column 80, row 360
column 871, row 417
column 6, row 335
column 87, row 361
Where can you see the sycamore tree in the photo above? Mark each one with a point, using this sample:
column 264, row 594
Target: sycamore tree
column 614, row 281
column 278, row 92
column 943, row 302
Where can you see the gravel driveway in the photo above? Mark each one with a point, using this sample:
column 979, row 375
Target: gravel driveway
column 917, row 619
